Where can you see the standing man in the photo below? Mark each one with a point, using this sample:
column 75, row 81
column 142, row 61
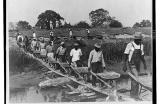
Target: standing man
column 51, row 36
column 26, row 42
column 75, row 55
column 134, row 54
column 49, row 50
column 17, row 34
column 61, row 53
column 33, row 44
column 96, row 61
column 34, row 34
column 70, row 33
column 88, row 33
column 20, row 40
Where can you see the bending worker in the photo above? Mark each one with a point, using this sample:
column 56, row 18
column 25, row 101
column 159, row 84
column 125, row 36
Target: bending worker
column 134, row 53
column 96, row 62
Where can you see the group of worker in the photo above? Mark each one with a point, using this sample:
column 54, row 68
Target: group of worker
column 133, row 55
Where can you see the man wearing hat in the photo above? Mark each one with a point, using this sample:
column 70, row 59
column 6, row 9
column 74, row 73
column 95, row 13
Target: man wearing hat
column 70, row 33
column 134, row 54
column 51, row 36
column 49, row 51
column 96, row 61
column 34, row 34
column 20, row 40
column 33, row 44
column 75, row 55
column 61, row 53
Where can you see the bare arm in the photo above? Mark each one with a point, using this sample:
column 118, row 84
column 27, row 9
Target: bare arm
column 144, row 62
column 125, row 62
column 103, row 63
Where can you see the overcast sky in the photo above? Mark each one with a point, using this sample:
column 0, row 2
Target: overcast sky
column 126, row 11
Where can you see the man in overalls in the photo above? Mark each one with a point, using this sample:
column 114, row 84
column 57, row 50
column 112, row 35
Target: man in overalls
column 134, row 54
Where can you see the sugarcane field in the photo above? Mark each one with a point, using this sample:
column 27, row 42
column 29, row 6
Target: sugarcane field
column 102, row 58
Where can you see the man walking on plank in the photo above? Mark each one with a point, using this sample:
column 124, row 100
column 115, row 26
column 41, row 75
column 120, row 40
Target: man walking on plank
column 49, row 50
column 33, row 44
column 61, row 53
column 134, row 53
column 96, row 62
column 75, row 56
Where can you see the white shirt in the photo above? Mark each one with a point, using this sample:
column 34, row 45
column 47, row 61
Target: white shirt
column 34, row 35
column 19, row 37
column 95, row 56
column 75, row 54
column 70, row 33
column 129, row 49
column 88, row 31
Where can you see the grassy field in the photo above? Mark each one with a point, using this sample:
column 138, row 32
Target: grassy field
column 113, row 49
column 82, row 32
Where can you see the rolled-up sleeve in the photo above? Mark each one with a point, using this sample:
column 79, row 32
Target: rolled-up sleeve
column 142, row 49
column 127, row 50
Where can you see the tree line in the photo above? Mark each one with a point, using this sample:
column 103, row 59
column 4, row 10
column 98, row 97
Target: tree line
column 99, row 18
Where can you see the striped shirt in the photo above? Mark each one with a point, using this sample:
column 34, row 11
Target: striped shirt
column 61, row 51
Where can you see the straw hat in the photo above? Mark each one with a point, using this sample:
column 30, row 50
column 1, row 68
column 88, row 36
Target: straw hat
column 97, row 45
column 138, row 35
column 76, row 44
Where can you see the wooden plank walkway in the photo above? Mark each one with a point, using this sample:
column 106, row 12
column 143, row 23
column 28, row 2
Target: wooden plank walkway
column 96, row 89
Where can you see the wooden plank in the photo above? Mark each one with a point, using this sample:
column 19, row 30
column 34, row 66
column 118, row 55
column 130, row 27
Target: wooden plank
column 73, row 79
column 145, row 86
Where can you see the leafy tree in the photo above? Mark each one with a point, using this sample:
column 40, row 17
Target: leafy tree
column 143, row 23
column 82, row 24
column 115, row 23
column 23, row 25
column 65, row 24
column 98, row 17
column 136, row 25
column 49, row 16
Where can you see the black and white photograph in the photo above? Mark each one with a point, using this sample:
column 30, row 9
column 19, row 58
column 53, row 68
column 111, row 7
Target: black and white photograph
column 79, row 51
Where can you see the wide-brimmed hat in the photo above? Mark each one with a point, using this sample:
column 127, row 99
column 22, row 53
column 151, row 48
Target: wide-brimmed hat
column 76, row 44
column 97, row 45
column 138, row 35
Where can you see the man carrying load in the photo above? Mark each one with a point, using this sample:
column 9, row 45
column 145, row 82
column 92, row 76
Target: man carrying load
column 33, row 44
column 134, row 54
column 49, row 50
column 96, row 62
column 20, row 40
column 61, row 53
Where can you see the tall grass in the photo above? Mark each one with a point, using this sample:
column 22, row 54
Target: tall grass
column 113, row 51
column 21, row 62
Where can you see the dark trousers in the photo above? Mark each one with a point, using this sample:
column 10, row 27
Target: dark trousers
column 96, row 68
column 135, row 69
column 61, row 58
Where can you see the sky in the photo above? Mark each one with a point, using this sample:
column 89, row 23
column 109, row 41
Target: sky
column 128, row 12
